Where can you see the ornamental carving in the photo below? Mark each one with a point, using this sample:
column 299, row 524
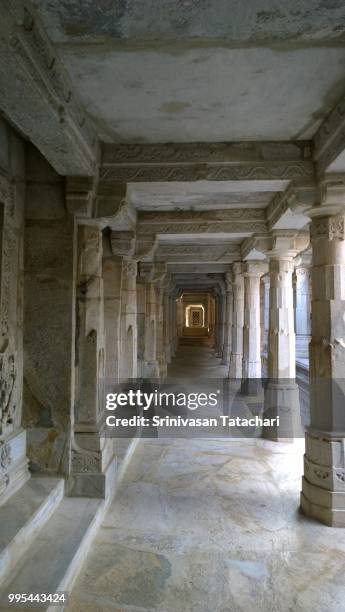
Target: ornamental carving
column 8, row 377
column 194, row 172
column 331, row 228
column 5, row 455
column 201, row 152
column 243, row 214
column 206, row 227
column 330, row 138
column 86, row 462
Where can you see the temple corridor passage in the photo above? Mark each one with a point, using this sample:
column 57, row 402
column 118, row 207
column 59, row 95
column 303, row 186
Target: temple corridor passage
column 200, row 526
column 197, row 362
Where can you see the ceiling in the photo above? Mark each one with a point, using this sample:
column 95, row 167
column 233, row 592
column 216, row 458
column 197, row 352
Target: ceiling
column 206, row 70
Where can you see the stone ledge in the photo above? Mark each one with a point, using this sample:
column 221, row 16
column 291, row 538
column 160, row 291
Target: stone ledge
column 322, row 505
column 23, row 515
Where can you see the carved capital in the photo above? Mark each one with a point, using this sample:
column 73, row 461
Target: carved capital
column 123, row 243
column 255, row 268
column 331, row 228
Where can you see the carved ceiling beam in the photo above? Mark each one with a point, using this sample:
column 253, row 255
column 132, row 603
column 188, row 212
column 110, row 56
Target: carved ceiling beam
column 38, row 95
column 236, row 220
column 297, row 198
column 329, row 140
column 204, row 161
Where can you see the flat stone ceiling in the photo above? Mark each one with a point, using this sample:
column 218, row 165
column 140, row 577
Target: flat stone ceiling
column 201, row 195
column 216, row 70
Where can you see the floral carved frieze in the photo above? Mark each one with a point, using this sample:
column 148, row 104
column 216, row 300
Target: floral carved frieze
column 213, row 172
column 332, row 228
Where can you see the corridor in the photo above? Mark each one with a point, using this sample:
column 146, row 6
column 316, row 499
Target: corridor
column 200, row 525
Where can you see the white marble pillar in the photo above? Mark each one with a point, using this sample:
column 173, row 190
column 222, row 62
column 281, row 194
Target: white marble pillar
column 303, row 307
column 253, row 270
column 228, row 319
column 323, row 487
column 167, row 324
column 235, row 370
column 282, row 394
column 160, row 330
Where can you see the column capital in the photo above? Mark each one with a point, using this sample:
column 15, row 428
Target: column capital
column 152, row 272
column 255, row 268
column 237, row 268
column 331, row 197
column 123, row 243
column 286, row 244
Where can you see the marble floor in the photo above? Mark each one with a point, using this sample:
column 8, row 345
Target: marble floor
column 212, row 525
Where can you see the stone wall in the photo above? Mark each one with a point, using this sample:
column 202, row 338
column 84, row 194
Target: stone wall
column 49, row 316
column 13, row 463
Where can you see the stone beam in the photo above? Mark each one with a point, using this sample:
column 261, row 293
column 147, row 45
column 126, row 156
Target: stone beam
column 37, row 94
column 237, row 220
column 329, row 140
column 203, row 161
column 206, row 253
column 296, row 198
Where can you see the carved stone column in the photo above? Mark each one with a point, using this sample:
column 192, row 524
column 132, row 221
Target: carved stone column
column 160, row 330
column 235, row 370
column 13, row 461
column 123, row 245
column 323, row 487
column 112, row 278
column 282, row 394
column 228, row 319
column 253, row 270
column 92, row 470
column 303, row 306
column 149, row 275
column 167, row 324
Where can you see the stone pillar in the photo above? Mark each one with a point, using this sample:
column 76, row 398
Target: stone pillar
column 129, row 332
column 303, row 307
column 123, row 246
column 13, row 461
column 282, row 394
column 235, row 370
column 323, row 487
column 50, row 317
column 141, row 326
column 167, row 324
column 112, row 278
column 253, row 270
column 173, row 328
column 149, row 275
column 228, row 319
column 220, row 323
column 160, row 331
column 264, row 318
column 92, row 466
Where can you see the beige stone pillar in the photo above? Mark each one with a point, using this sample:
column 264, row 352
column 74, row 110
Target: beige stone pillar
column 167, row 324
column 323, row 487
column 112, row 279
column 160, row 331
column 235, row 370
column 303, row 306
column 129, row 333
column 228, row 319
column 123, row 246
column 253, row 270
column 92, row 469
column 282, row 394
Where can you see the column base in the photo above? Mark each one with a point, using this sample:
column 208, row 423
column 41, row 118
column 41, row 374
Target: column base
column 282, row 404
column 323, row 483
column 235, row 369
column 150, row 369
column 328, row 507
column 93, row 467
column 14, row 470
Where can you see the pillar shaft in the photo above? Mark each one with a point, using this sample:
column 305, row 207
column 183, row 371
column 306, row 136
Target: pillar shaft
column 251, row 329
column 323, row 489
column 236, row 357
column 228, row 319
